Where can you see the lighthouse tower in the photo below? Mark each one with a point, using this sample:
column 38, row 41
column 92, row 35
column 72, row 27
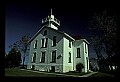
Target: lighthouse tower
column 51, row 21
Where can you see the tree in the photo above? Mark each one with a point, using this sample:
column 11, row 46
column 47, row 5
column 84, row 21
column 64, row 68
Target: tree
column 23, row 45
column 91, row 67
column 97, row 46
column 13, row 59
column 79, row 67
column 106, row 27
column 6, row 60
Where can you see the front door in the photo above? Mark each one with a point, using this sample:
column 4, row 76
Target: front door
column 33, row 67
column 53, row 68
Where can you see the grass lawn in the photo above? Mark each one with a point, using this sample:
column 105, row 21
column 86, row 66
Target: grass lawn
column 28, row 73
column 24, row 73
column 75, row 73
column 99, row 74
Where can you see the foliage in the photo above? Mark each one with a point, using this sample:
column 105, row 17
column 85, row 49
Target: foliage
column 23, row 46
column 97, row 46
column 91, row 67
column 13, row 59
column 79, row 67
column 105, row 26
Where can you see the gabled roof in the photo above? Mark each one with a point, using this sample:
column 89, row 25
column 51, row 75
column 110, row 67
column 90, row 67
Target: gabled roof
column 63, row 33
column 73, row 38
column 85, row 41
column 77, row 37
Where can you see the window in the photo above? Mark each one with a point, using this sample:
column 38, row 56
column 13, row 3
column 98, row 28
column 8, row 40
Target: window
column 34, row 57
column 43, row 57
column 87, row 61
column 35, row 45
column 45, row 32
column 69, row 57
column 44, row 42
column 78, row 52
column 53, row 56
column 85, row 48
column 54, row 41
column 70, row 44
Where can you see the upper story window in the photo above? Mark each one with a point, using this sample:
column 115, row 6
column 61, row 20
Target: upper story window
column 78, row 52
column 69, row 43
column 85, row 48
column 45, row 32
column 34, row 57
column 69, row 57
column 54, row 41
column 43, row 57
column 54, row 56
column 35, row 45
column 44, row 42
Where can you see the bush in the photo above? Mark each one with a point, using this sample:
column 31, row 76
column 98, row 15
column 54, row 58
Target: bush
column 79, row 67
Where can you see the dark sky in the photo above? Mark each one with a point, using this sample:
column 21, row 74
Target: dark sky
column 25, row 18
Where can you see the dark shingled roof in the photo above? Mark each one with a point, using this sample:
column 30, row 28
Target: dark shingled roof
column 77, row 37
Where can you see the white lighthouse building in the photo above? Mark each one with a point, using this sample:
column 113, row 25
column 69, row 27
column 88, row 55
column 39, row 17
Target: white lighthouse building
column 53, row 50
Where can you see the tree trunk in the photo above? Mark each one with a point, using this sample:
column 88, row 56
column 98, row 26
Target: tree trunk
column 23, row 60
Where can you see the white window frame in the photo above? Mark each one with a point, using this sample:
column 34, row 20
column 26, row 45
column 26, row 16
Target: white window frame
column 85, row 48
column 70, row 57
column 56, row 40
column 56, row 54
column 33, row 56
column 70, row 44
column 36, row 41
column 43, row 42
column 79, row 52
column 41, row 56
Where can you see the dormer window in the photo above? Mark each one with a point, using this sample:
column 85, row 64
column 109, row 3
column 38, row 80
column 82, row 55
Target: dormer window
column 45, row 32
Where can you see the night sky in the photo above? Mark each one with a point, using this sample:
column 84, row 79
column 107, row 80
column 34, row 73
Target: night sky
column 25, row 18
